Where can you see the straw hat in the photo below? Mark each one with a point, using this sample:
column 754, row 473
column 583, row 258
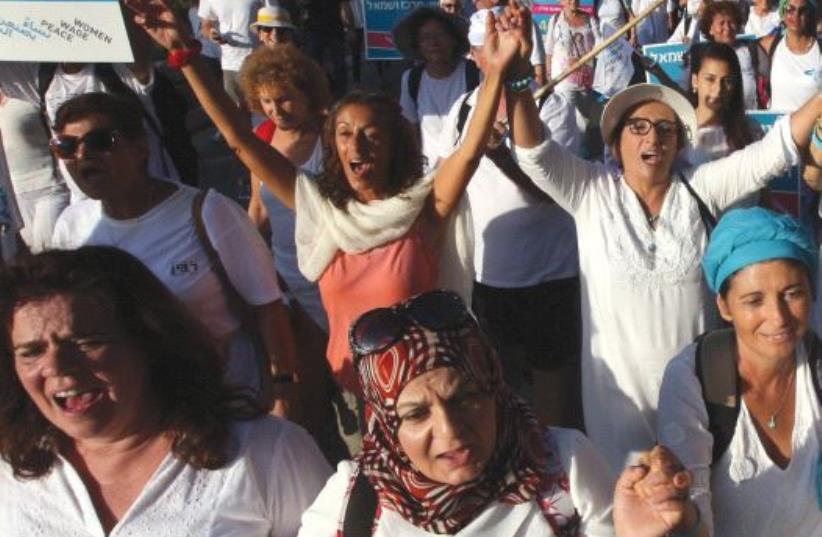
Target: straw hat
column 273, row 17
column 405, row 32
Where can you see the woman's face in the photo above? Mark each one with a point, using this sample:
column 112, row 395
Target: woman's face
column 570, row 6
column 723, row 28
column 80, row 368
column 649, row 157
column 105, row 174
column 271, row 37
column 713, row 84
column 364, row 147
column 448, row 427
column 796, row 16
column 435, row 43
column 288, row 110
column 769, row 304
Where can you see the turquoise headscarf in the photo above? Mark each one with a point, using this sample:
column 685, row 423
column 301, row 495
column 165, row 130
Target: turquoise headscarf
column 744, row 237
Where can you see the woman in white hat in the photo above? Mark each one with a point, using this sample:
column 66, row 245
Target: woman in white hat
column 274, row 27
column 642, row 231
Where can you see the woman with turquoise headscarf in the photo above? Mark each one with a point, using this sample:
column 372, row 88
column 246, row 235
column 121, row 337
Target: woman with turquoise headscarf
column 741, row 406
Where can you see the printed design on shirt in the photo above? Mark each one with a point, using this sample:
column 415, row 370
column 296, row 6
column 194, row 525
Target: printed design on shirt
column 184, row 268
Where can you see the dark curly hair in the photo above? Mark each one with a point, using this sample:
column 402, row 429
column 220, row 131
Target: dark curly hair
column 406, row 165
column 185, row 373
column 723, row 7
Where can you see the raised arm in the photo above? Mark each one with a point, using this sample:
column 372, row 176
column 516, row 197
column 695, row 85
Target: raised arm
column 264, row 161
column 502, row 40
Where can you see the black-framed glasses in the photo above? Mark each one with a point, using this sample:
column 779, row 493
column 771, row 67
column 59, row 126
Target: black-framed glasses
column 641, row 126
column 378, row 329
column 65, row 146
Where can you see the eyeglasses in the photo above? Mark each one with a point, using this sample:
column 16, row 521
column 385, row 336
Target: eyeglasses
column 790, row 9
column 378, row 329
column 642, row 126
column 65, row 147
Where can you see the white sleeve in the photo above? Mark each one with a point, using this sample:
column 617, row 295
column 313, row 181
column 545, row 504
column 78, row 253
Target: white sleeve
column 409, row 109
column 322, row 518
column 538, row 52
column 726, row 180
column 557, row 114
column 18, row 80
column 548, row 39
column 205, row 12
column 591, row 481
column 682, row 426
column 559, row 173
column 247, row 260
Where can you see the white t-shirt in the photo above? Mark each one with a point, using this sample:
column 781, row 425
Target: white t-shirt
column 643, row 295
column 794, row 78
column 26, row 144
column 19, row 80
column 591, row 489
column 434, row 101
column 566, row 44
column 519, row 241
column 744, row 493
column 762, row 25
column 234, row 18
column 165, row 240
column 275, row 474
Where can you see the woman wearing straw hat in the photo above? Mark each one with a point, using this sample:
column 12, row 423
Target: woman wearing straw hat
column 642, row 230
column 274, row 27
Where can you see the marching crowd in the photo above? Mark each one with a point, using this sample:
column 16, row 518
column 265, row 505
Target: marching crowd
column 469, row 310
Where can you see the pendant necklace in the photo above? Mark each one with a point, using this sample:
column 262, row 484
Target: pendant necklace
column 772, row 421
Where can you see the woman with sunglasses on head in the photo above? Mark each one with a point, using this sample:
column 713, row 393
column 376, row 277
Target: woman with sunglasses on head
column 796, row 56
column 742, row 407
column 642, row 228
column 451, row 450
column 198, row 244
column 370, row 229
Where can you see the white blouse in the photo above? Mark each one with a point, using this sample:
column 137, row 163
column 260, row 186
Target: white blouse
column 275, row 474
column 643, row 296
column 744, row 493
column 592, row 489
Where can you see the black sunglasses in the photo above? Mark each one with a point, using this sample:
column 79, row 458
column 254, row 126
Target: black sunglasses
column 65, row 146
column 380, row 328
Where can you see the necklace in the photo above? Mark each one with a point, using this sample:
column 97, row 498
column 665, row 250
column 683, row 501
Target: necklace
column 772, row 421
column 652, row 220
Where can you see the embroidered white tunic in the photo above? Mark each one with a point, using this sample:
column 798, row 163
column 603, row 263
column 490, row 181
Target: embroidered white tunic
column 643, row 296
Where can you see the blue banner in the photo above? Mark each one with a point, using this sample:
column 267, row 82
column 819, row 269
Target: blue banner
column 380, row 18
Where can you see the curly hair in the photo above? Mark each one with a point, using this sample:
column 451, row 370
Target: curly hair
column 406, row 165
column 185, row 373
column 723, row 7
column 285, row 66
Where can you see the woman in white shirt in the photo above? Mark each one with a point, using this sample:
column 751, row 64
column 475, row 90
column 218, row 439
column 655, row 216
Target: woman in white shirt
column 763, row 18
column 115, row 419
column 450, row 450
column 758, row 475
column 642, row 232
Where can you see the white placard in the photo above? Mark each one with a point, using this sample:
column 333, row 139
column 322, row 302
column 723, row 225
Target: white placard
column 63, row 31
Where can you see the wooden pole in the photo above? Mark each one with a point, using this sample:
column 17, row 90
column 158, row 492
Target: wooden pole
column 599, row 48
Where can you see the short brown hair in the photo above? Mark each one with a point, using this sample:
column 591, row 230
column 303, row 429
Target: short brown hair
column 125, row 114
column 712, row 9
column 285, row 66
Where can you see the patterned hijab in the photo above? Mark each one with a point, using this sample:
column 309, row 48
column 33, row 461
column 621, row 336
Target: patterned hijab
column 520, row 470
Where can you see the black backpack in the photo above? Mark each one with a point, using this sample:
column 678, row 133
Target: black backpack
column 472, row 79
column 717, row 373
column 169, row 106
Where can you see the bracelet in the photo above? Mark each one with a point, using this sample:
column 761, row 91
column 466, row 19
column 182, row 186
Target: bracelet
column 283, row 378
column 180, row 57
column 520, row 84
column 817, row 140
column 694, row 531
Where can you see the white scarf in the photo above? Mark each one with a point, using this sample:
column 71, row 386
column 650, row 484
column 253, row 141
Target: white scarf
column 322, row 229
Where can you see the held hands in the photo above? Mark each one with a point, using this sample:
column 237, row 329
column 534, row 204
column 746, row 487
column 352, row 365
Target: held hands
column 651, row 499
column 507, row 38
column 159, row 22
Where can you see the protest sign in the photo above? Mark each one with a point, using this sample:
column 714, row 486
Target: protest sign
column 380, row 18
column 786, row 191
column 669, row 58
column 63, row 31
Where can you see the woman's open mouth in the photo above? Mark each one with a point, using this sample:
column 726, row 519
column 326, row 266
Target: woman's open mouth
column 76, row 401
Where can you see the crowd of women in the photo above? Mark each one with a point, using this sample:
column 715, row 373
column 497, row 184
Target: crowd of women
column 141, row 353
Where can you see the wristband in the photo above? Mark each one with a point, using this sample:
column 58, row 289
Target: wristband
column 694, row 531
column 180, row 57
column 520, row 84
column 817, row 140
column 283, row 378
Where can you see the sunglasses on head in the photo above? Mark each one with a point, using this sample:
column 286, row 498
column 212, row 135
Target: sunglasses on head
column 65, row 146
column 380, row 328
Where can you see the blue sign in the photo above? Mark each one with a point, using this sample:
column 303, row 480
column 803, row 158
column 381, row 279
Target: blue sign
column 787, row 191
column 669, row 58
column 380, row 18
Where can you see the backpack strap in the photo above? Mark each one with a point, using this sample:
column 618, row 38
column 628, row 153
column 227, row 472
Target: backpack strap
column 814, row 347
column 361, row 509
column 414, row 78
column 462, row 115
column 717, row 373
column 705, row 214
column 472, row 75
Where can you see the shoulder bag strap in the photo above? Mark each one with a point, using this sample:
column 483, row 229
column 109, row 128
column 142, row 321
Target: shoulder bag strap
column 705, row 214
column 414, row 79
column 361, row 509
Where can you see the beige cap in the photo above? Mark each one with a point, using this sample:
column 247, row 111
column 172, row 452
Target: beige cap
column 273, row 17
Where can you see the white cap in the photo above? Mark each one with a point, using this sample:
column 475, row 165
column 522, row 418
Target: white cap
column 273, row 17
column 476, row 32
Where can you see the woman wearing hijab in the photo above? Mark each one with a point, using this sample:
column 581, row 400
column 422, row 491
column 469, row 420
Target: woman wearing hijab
column 450, row 450
column 760, row 475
